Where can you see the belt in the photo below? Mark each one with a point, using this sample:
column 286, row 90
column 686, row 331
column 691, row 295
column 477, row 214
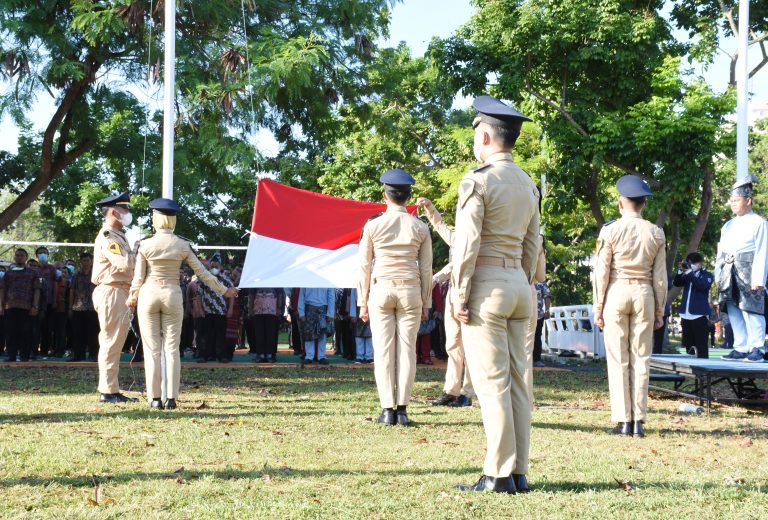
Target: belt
column 158, row 281
column 397, row 283
column 630, row 281
column 117, row 285
column 498, row 261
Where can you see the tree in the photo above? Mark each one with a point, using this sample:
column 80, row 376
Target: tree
column 603, row 79
column 282, row 66
column 709, row 20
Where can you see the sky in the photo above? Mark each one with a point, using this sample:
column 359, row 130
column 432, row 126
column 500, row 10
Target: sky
column 416, row 22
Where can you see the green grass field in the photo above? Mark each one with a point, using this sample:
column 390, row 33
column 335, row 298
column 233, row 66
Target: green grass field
column 284, row 442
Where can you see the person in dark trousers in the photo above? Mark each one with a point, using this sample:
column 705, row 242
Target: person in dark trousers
column 85, row 321
column 694, row 308
column 217, row 309
column 20, row 303
column 264, row 309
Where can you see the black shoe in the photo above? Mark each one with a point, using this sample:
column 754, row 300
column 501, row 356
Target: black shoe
column 323, row 361
column 170, row 404
column 402, row 418
column 493, row 484
column 521, row 483
column 115, row 398
column 387, row 417
column 622, row 428
column 462, row 400
column 306, row 361
column 637, row 429
column 156, row 404
column 444, row 400
column 272, row 359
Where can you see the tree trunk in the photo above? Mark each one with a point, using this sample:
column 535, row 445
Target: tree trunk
column 705, row 208
column 52, row 163
column 594, row 199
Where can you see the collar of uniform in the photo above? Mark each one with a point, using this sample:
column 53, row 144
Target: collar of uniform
column 401, row 209
column 498, row 156
column 165, row 231
column 632, row 214
column 748, row 213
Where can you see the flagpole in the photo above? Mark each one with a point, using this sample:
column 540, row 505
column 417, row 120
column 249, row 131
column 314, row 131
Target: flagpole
column 742, row 101
column 168, row 97
column 168, row 125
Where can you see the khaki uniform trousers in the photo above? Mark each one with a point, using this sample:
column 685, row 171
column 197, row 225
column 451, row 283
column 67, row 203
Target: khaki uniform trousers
column 395, row 314
column 628, row 314
column 161, row 313
column 455, row 373
column 529, row 339
column 114, row 322
column 499, row 311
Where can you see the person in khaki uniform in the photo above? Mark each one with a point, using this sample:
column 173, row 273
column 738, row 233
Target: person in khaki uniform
column 494, row 259
column 457, row 390
column 395, row 293
column 113, row 263
column 156, row 294
column 630, row 290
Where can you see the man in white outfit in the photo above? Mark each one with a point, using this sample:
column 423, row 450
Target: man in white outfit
column 740, row 271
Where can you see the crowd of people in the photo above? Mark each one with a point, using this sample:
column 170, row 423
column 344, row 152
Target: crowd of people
column 47, row 311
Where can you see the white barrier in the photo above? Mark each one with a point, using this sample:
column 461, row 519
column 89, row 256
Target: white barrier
column 572, row 329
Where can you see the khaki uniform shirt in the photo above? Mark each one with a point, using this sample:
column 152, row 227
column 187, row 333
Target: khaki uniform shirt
column 497, row 217
column 402, row 248
column 113, row 260
column 631, row 249
column 159, row 259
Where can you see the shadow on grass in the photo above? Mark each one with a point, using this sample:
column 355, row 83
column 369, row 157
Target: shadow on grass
column 141, row 411
column 275, row 474
column 449, row 475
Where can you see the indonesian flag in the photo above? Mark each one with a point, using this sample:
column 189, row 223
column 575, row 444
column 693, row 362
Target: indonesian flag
column 305, row 239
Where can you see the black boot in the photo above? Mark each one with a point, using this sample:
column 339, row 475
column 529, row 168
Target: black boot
column 622, row 428
column 387, row 417
column 170, row 404
column 637, row 429
column 521, row 483
column 156, row 404
column 494, row 484
column 443, row 400
column 402, row 416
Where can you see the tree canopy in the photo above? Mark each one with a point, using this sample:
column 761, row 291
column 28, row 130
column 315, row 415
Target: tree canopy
column 606, row 82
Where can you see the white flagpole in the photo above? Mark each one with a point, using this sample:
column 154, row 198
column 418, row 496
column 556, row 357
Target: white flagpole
column 742, row 76
column 168, row 97
column 168, row 124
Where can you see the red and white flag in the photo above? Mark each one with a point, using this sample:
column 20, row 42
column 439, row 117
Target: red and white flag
column 305, row 239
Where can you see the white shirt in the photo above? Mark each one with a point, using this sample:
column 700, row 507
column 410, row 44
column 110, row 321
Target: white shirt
column 748, row 232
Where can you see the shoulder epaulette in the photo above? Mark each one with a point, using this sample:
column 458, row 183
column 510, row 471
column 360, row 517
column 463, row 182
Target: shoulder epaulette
column 609, row 223
column 184, row 238
column 480, row 168
column 376, row 216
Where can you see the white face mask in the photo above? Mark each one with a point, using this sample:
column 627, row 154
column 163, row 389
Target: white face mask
column 126, row 219
column 695, row 267
column 215, row 271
